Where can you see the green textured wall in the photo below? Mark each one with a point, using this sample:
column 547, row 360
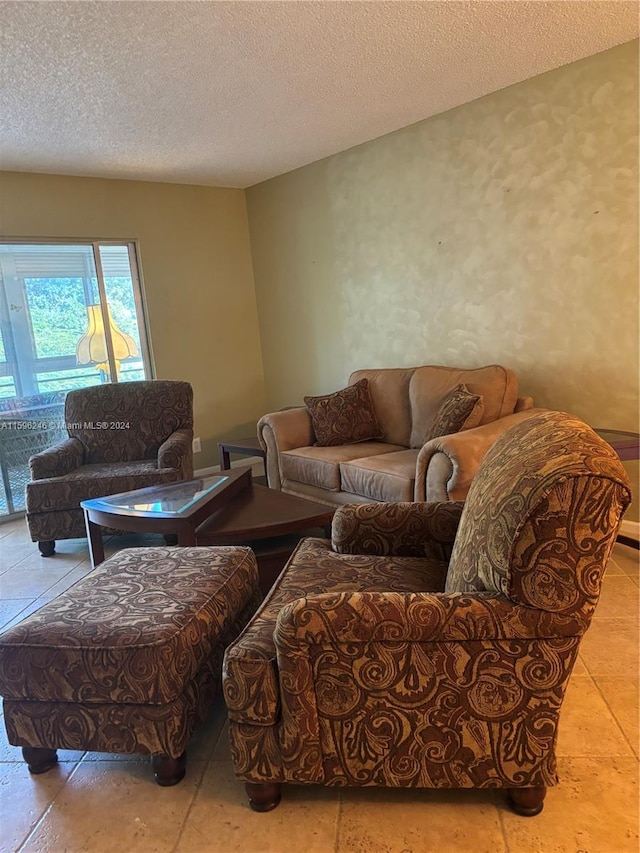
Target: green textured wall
column 505, row 230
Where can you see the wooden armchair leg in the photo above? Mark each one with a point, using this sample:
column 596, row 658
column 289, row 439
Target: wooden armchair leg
column 527, row 802
column 169, row 771
column 263, row 797
column 39, row 759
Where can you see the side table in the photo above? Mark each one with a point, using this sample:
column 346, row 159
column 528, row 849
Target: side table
column 627, row 446
column 249, row 446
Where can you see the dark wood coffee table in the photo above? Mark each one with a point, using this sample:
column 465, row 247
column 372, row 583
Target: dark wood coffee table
column 175, row 509
column 226, row 509
column 270, row 522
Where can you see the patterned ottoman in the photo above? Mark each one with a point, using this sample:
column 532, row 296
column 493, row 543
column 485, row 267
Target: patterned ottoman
column 127, row 660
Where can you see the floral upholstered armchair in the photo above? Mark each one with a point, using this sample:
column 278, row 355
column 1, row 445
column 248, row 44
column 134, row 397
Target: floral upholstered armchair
column 429, row 645
column 120, row 437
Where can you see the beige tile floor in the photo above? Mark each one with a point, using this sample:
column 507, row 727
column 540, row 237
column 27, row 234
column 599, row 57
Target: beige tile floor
column 97, row 802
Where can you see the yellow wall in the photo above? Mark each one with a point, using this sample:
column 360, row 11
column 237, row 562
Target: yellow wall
column 198, row 281
column 505, row 230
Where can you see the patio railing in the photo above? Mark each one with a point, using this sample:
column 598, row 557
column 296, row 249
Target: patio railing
column 27, row 426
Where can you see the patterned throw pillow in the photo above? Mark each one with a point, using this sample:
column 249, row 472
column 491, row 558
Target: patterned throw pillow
column 459, row 410
column 345, row 417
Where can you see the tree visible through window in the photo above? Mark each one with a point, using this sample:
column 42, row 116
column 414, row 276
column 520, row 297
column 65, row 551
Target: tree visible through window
column 71, row 316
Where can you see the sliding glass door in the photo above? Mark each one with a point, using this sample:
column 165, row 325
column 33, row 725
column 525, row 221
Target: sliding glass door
column 71, row 315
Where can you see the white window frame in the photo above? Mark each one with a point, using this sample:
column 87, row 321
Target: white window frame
column 22, row 362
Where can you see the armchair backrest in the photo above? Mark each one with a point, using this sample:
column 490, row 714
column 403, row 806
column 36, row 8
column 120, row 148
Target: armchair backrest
column 128, row 421
column 541, row 517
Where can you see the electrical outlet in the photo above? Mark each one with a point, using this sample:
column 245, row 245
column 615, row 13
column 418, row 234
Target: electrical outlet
column 197, row 446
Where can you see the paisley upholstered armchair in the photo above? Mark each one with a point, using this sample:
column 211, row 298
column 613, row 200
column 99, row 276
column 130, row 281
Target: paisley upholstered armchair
column 430, row 645
column 121, row 437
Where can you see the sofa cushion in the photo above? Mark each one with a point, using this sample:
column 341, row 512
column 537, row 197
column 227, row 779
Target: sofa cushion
column 344, row 417
column 459, row 410
column 389, row 388
column 429, row 385
column 387, row 477
column 320, row 466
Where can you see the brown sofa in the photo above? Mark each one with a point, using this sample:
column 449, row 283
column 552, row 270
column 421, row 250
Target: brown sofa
column 399, row 466
column 430, row 645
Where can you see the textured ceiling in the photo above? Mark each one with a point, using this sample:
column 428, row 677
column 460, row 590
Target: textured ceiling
column 232, row 93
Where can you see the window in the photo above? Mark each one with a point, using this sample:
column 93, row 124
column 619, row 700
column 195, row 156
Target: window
column 71, row 316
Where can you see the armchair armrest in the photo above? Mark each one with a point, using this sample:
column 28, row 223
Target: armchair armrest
column 177, row 452
column 341, row 656
column 447, row 465
column 280, row 431
column 58, row 460
column 422, row 617
column 397, row 529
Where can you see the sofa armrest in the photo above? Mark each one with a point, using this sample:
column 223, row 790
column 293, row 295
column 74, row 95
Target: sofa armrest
column 397, row 529
column 57, row 460
column 523, row 403
column 176, row 452
column 447, row 465
column 280, row 431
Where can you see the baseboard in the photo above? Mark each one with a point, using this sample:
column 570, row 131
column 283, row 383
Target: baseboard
column 256, row 463
column 207, row 472
column 630, row 530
